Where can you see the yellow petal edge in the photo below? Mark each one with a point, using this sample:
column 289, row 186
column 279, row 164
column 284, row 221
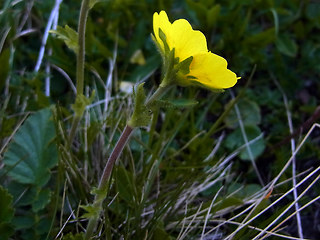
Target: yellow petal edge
column 206, row 68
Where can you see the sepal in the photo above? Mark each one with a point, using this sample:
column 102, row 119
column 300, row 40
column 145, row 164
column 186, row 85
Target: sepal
column 184, row 66
column 141, row 114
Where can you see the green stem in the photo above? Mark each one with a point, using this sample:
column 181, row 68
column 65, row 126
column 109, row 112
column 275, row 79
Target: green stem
column 157, row 94
column 80, row 61
column 81, row 45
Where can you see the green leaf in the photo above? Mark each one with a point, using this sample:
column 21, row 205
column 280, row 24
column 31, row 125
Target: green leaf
column 32, row 152
column 250, row 114
column 4, row 69
column 236, row 139
column 23, row 194
column 286, row 45
column 69, row 36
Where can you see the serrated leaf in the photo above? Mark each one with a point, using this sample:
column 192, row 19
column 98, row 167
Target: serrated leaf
column 250, row 114
column 32, row 152
column 69, row 36
column 22, row 194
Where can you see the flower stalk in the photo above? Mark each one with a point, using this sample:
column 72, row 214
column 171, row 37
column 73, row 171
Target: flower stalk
column 186, row 61
column 80, row 61
column 102, row 191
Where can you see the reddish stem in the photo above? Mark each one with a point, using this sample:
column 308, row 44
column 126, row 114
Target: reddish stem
column 115, row 155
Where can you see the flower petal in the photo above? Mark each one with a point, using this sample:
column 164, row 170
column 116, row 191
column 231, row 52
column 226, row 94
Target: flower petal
column 186, row 41
column 211, row 71
column 179, row 35
column 161, row 21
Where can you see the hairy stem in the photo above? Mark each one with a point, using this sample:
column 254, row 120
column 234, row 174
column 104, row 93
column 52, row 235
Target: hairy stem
column 81, row 44
column 103, row 184
column 80, row 61
column 114, row 156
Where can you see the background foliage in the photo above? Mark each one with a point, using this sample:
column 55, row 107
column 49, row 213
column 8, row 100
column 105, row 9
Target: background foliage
column 189, row 163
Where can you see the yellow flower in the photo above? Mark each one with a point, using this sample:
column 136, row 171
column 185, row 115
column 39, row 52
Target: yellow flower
column 206, row 68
